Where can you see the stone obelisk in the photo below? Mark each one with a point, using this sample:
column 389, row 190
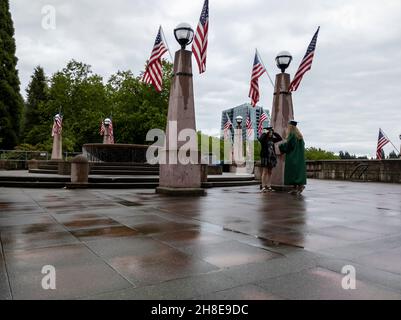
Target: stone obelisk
column 107, row 138
column 57, row 150
column 176, row 176
column 282, row 113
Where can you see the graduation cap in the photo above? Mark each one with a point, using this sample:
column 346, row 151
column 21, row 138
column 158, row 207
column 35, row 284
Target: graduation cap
column 293, row 123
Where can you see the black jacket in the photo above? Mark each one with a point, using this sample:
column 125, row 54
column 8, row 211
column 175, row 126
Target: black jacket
column 264, row 139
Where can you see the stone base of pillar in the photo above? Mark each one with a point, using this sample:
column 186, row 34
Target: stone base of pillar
column 238, row 168
column 181, row 191
column 64, row 168
column 282, row 188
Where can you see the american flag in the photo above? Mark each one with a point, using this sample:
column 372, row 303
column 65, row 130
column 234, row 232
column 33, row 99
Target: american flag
column 306, row 63
column 57, row 125
column 199, row 47
column 381, row 143
column 227, row 126
column 102, row 128
column 262, row 119
column 154, row 73
column 249, row 127
column 257, row 71
column 111, row 132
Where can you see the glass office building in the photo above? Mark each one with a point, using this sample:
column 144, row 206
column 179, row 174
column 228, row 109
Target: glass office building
column 242, row 111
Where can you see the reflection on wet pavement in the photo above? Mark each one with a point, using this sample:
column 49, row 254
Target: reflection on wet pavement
column 139, row 243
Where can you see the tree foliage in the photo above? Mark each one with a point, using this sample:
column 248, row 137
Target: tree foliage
column 11, row 103
column 37, row 95
column 84, row 100
column 319, row 154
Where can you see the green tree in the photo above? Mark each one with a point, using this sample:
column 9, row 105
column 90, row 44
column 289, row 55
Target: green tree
column 393, row 155
column 137, row 107
column 84, row 100
column 11, row 102
column 37, row 95
column 319, row 154
column 81, row 98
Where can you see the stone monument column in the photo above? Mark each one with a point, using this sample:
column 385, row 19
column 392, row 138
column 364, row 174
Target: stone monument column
column 176, row 176
column 107, row 139
column 57, row 147
column 57, row 150
column 282, row 113
column 238, row 147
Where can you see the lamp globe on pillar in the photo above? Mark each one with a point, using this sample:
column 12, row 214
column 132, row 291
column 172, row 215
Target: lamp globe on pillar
column 184, row 34
column 239, row 121
column 283, row 60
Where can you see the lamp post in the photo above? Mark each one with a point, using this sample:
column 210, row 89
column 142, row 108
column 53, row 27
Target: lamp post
column 239, row 165
column 177, row 176
column 282, row 111
column 184, row 35
column 239, row 120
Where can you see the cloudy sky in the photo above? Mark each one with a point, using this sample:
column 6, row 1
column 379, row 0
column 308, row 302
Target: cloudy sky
column 351, row 91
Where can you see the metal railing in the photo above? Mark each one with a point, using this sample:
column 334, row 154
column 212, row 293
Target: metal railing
column 18, row 155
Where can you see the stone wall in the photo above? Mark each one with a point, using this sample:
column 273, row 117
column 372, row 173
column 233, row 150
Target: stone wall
column 13, row 165
column 356, row 170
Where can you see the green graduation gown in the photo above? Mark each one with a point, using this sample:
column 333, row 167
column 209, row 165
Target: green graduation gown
column 295, row 165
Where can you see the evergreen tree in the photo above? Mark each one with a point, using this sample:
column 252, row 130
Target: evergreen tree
column 11, row 103
column 37, row 94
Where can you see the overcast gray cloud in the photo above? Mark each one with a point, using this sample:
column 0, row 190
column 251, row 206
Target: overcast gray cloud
column 351, row 91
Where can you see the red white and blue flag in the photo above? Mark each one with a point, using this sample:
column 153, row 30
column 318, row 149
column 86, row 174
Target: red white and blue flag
column 249, row 127
column 199, row 47
column 154, row 72
column 227, row 127
column 306, row 63
column 382, row 141
column 257, row 71
column 102, row 128
column 262, row 119
column 111, row 130
column 57, row 125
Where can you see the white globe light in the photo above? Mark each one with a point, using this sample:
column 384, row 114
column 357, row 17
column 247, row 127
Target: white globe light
column 283, row 60
column 184, row 34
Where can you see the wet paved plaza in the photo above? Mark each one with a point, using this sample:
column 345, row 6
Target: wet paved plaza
column 235, row 243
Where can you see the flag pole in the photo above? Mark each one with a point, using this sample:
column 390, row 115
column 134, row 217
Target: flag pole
column 395, row 148
column 271, row 81
column 165, row 41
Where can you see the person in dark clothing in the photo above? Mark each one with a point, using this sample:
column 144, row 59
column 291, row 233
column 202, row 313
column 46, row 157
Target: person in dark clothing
column 268, row 157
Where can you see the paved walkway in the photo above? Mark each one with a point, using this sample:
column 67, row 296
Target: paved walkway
column 235, row 243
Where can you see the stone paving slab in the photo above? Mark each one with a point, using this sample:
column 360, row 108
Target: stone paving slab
column 323, row 284
column 235, row 243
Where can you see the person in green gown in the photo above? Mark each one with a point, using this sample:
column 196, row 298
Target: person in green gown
column 295, row 165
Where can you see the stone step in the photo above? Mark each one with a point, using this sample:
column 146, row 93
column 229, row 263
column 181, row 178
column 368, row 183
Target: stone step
column 222, row 184
column 43, row 171
column 57, row 185
column 231, row 178
column 124, row 172
column 113, row 185
column 48, row 166
column 119, row 164
column 124, row 168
